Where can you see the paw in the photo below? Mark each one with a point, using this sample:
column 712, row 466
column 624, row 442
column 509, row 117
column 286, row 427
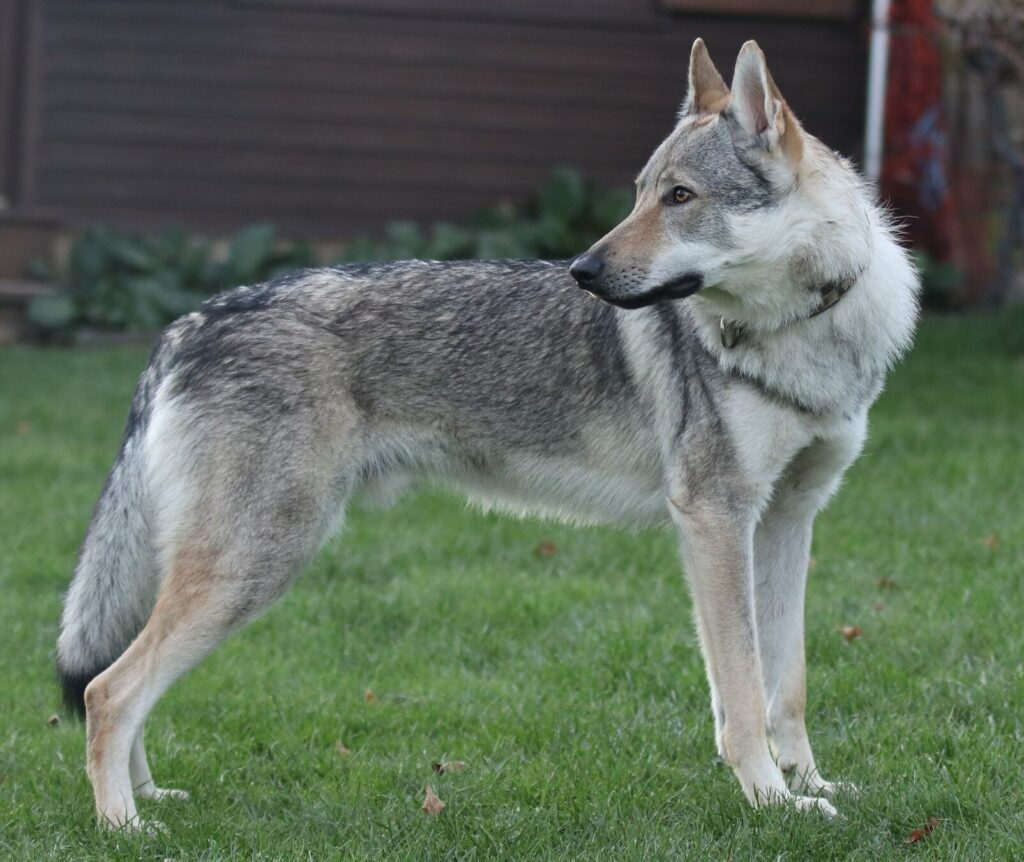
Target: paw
column 151, row 791
column 781, row 796
column 814, row 785
column 834, row 788
column 815, row 803
column 134, row 826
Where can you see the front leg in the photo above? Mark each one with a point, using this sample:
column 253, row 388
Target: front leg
column 782, row 544
column 142, row 779
column 717, row 549
column 781, row 552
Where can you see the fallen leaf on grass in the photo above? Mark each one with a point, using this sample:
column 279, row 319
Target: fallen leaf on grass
column 443, row 766
column 431, row 804
column 923, row 832
column 53, row 720
column 546, row 549
column 342, row 749
column 991, row 542
column 369, row 696
column 886, row 583
column 851, row 632
column 22, row 427
column 811, row 562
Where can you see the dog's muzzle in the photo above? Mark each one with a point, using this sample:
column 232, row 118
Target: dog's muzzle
column 677, row 288
column 589, row 268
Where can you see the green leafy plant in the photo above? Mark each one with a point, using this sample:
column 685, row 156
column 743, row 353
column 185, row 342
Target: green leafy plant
column 117, row 280
column 564, row 217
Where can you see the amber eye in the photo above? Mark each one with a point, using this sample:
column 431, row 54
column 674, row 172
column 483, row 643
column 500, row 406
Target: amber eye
column 681, row 194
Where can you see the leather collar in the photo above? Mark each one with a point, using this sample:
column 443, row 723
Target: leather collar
column 732, row 333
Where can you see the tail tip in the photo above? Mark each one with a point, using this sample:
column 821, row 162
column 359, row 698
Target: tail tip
column 73, row 685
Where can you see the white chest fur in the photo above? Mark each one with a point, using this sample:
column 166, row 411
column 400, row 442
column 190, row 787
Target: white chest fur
column 768, row 436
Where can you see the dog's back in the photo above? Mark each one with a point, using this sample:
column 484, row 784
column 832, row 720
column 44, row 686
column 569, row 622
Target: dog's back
column 494, row 376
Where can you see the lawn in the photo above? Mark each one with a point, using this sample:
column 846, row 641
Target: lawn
column 559, row 664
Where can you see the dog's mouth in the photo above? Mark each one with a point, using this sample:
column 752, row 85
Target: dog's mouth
column 677, row 288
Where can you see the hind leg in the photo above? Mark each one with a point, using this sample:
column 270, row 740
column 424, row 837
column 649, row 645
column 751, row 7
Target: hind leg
column 142, row 779
column 209, row 592
column 185, row 626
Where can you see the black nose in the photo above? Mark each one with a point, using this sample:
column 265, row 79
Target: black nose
column 587, row 269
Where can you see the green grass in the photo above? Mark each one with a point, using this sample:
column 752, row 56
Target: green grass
column 570, row 684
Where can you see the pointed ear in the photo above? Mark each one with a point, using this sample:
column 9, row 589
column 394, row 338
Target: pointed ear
column 758, row 107
column 708, row 93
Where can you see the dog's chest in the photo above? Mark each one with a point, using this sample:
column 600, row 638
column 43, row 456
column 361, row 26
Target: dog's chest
column 768, row 436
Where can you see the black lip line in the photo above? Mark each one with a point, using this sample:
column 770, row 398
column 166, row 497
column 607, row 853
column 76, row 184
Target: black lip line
column 678, row 288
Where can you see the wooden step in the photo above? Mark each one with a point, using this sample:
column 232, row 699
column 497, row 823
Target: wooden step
column 19, row 292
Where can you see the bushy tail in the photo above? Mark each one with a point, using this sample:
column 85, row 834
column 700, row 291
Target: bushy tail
column 114, row 586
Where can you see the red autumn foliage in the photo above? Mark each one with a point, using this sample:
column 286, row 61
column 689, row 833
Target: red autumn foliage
column 923, row 832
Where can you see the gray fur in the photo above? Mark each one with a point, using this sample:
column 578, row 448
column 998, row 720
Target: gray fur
column 263, row 414
column 482, row 375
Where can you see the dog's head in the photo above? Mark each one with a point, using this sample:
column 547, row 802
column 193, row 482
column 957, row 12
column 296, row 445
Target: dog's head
column 710, row 212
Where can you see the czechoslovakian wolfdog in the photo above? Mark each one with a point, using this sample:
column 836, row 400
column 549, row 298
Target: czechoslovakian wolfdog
column 754, row 300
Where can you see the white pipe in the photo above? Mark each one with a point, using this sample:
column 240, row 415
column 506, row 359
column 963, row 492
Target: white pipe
column 878, row 72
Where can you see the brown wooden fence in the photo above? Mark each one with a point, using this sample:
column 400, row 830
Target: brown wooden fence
column 334, row 116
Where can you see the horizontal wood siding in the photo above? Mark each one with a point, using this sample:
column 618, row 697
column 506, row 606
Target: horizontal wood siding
column 10, row 32
column 334, row 116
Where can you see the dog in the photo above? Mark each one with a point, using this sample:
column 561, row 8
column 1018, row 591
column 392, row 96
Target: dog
column 750, row 307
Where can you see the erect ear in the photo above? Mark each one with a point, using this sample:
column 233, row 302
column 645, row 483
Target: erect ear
column 758, row 107
column 708, row 93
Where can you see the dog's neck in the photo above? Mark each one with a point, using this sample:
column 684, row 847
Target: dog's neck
column 732, row 332
column 818, row 242
column 832, row 355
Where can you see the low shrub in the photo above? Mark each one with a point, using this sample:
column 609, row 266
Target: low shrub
column 562, row 219
column 117, row 280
